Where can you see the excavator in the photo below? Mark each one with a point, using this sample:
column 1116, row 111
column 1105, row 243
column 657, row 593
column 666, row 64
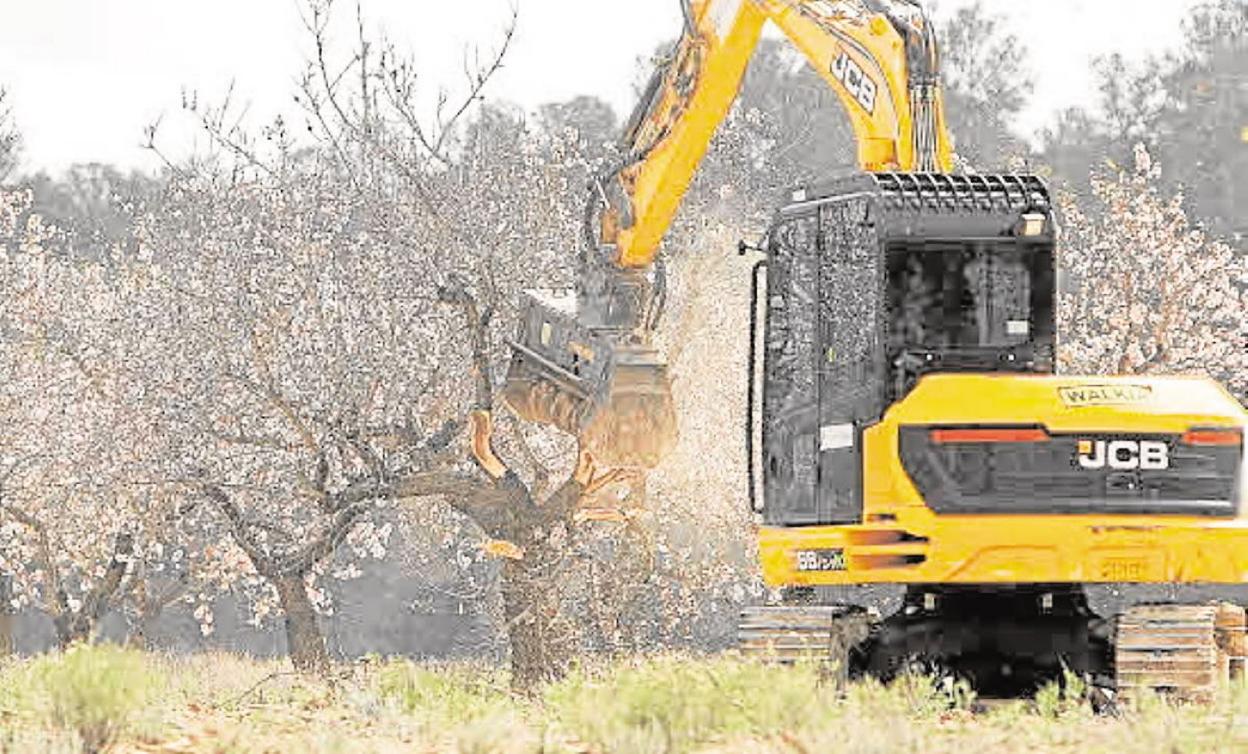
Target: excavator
column 929, row 491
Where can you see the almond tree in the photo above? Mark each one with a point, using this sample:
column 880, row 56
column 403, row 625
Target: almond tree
column 333, row 314
column 1146, row 291
column 72, row 522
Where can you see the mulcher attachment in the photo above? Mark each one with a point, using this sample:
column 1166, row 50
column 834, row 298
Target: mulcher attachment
column 1185, row 651
column 613, row 395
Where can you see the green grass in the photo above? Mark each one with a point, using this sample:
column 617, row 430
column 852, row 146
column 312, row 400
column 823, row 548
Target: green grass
column 91, row 693
column 672, row 704
column 104, row 698
column 444, row 697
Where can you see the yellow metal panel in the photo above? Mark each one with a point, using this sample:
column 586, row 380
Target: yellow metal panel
column 860, row 55
column 1069, row 404
column 931, row 548
column 1028, row 549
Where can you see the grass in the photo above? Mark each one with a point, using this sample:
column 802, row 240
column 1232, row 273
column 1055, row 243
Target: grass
column 108, row 699
column 90, row 694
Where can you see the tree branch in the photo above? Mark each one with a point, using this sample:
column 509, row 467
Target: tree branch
column 324, row 545
column 241, row 529
column 54, row 597
column 477, row 83
column 96, row 602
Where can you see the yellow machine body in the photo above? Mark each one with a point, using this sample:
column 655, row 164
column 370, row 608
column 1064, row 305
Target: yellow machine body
column 902, row 540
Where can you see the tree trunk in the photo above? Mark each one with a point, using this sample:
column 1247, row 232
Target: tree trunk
column 144, row 626
column 140, row 637
column 70, row 631
column 619, row 585
column 74, row 627
column 304, row 641
column 543, row 642
column 71, row 628
column 6, row 615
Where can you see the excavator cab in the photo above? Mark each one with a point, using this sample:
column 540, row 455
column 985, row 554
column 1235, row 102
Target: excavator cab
column 873, row 282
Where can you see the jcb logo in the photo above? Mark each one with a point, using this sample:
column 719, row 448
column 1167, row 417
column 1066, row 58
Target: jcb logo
column 858, row 83
column 1124, row 455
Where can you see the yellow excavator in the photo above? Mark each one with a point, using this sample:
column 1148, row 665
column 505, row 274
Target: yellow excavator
column 928, row 489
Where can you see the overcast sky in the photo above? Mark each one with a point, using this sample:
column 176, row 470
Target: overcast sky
column 85, row 76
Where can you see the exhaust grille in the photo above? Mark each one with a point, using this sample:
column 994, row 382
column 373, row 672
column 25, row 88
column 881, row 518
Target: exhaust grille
column 1026, row 470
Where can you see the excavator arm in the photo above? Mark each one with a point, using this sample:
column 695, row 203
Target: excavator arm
column 879, row 56
column 583, row 362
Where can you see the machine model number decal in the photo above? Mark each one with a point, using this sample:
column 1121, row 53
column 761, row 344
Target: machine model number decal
column 815, row 561
column 1124, row 569
column 1104, row 395
column 1124, row 455
column 858, row 83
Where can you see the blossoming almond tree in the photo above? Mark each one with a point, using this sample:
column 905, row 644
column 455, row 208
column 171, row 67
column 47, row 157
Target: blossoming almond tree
column 333, row 313
column 1146, row 291
column 74, row 517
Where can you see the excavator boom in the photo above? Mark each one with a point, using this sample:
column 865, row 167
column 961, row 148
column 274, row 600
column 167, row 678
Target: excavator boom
column 879, row 57
column 584, row 362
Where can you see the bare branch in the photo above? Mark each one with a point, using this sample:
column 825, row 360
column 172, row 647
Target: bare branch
column 276, row 400
column 241, row 528
column 323, row 545
column 482, row 78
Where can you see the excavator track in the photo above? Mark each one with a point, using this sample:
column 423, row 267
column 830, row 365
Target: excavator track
column 814, row 633
column 1183, row 651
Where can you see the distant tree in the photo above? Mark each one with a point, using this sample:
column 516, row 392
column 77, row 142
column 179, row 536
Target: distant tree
column 1201, row 133
column 986, row 83
column 1186, row 107
column 1085, row 142
column 586, row 121
column 93, row 205
column 1073, row 148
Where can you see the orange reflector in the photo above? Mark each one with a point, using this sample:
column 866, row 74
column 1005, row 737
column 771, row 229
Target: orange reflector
column 944, row 436
column 1231, row 437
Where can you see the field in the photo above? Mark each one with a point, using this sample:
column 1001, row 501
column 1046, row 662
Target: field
column 108, row 699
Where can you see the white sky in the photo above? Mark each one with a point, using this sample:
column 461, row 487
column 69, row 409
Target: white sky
column 85, row 76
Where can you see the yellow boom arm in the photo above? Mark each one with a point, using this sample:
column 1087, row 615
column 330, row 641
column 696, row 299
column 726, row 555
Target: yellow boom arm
column 879, row 56
column 586, row 364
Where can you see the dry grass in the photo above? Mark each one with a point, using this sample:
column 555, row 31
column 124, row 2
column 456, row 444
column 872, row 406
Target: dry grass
column 223, row 703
